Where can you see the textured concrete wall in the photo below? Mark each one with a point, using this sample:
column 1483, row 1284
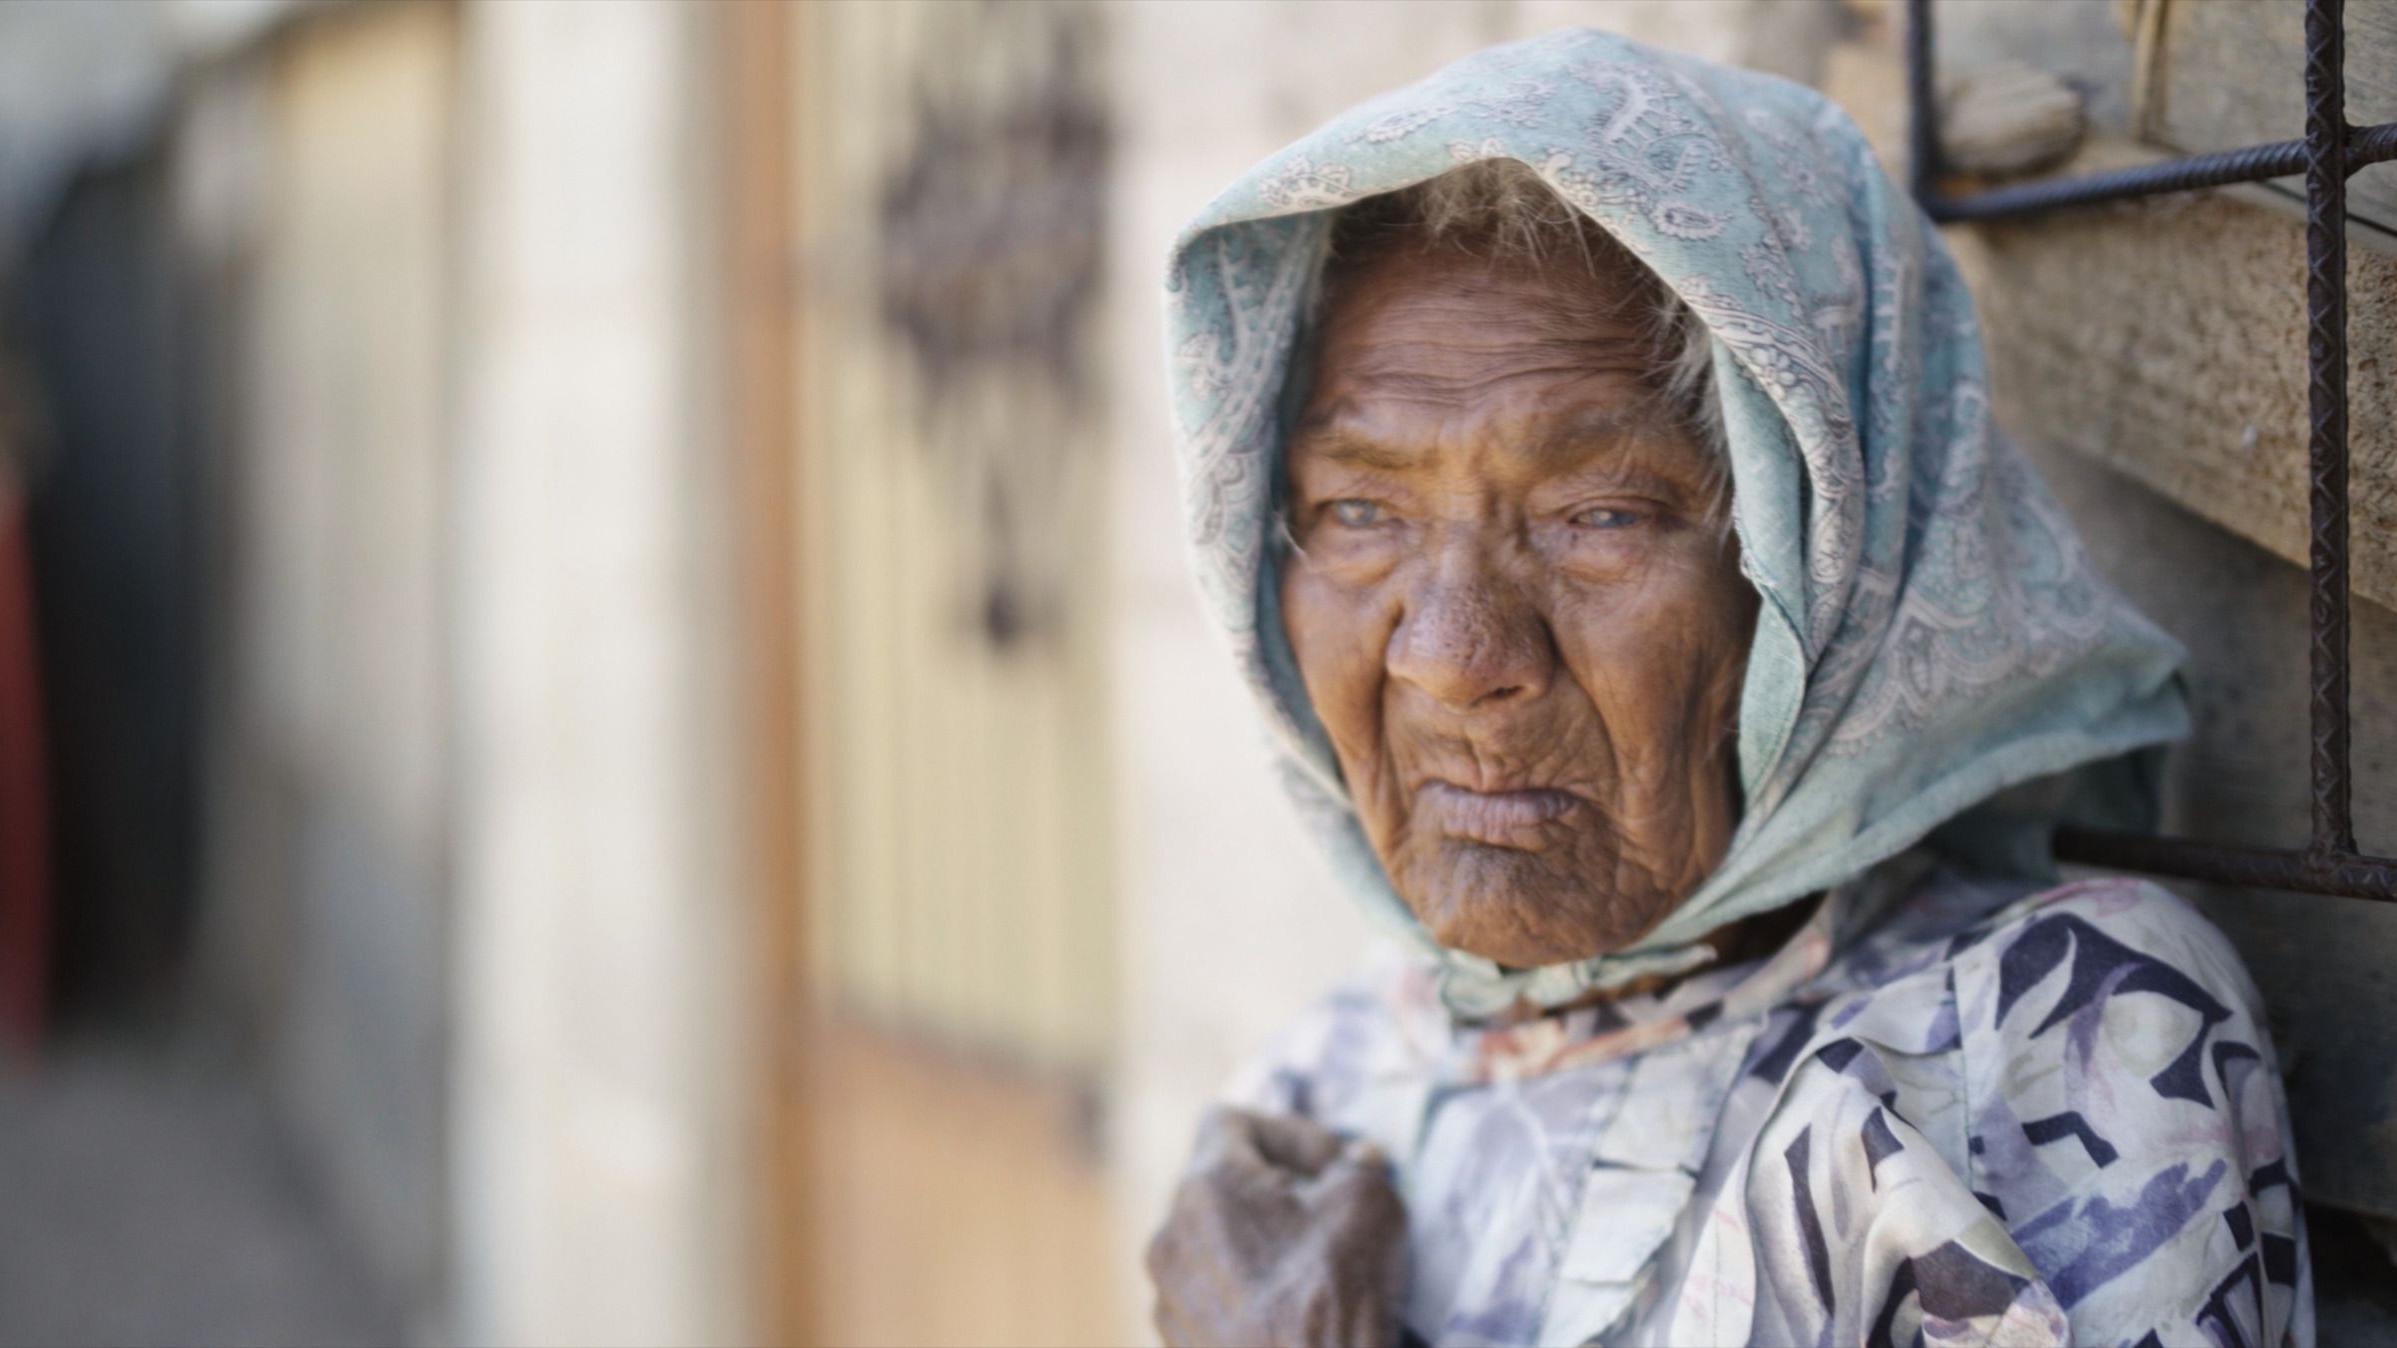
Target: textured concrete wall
column 602, row 1071
column 2164, row 337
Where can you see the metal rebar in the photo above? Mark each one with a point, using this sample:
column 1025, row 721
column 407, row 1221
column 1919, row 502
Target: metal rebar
column 2326, row 397
column 2308, row 872
column 2255, row 163
column 1922, row 104
column 2371, row 145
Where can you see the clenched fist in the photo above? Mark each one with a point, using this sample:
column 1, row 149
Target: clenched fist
column 1282, row 1233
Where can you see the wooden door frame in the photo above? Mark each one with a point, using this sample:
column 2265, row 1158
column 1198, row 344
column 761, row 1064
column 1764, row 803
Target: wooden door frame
column 756, row 57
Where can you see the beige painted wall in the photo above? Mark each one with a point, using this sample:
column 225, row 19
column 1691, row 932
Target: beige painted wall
column 603, row 1071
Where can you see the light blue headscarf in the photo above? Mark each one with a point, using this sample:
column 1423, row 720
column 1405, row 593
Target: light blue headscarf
column 1931, row 632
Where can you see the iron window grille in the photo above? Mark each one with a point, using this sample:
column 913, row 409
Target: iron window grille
column 2326, row 154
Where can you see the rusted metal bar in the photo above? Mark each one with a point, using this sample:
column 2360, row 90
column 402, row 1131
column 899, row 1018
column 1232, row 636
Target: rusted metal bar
column 2307, row 872
column 2256, row 163
column 2375, row 144
column 1922, row 106
column 2326, row 397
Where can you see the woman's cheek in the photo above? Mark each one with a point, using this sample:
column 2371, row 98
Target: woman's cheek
column 1606, row 559
column 1645, row 650
column 1339, row 632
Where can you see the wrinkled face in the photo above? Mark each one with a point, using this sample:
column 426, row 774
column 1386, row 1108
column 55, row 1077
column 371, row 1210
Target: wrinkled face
column 1514, row 605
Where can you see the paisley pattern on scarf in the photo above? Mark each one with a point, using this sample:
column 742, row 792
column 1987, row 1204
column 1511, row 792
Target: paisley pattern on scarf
column 1930, row 634
column 1934, row 1118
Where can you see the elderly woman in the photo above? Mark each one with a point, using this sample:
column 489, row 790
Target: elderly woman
column 1588, row 454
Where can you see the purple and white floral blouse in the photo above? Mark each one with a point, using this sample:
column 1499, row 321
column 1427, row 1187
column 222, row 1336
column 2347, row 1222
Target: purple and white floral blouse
column 1936, row 1116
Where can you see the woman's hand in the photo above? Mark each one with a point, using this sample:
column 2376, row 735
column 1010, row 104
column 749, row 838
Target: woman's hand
column 1282, row 1233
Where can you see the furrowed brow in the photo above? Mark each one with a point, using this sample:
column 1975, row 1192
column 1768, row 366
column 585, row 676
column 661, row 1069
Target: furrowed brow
column 1571, row 439
column 1345, row 446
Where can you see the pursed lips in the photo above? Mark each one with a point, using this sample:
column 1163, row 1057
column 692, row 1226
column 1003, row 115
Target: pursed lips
column 1515, row 818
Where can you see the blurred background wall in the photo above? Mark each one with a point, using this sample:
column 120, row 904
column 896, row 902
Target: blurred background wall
column 627, row 751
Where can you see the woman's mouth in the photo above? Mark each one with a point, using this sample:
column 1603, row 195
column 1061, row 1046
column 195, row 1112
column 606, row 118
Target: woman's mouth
column 1517, row 819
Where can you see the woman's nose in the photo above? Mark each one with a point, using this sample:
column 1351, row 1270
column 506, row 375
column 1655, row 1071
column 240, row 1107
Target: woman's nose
column 1472, row 641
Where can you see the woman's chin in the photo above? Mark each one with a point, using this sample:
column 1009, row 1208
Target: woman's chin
column 1509, row 907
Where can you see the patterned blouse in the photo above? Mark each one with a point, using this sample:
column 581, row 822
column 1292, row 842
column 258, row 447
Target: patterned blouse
column 1941, row 1114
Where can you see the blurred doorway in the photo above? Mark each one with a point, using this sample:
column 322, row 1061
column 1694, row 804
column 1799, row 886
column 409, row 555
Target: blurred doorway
column 922, row 254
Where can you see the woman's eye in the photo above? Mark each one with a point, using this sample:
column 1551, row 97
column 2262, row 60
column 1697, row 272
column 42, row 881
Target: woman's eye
column 1607, row 517
column 1356, row 513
